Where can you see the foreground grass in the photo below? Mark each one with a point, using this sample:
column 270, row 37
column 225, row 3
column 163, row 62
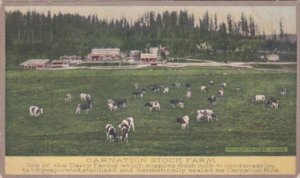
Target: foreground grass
column 60, row 132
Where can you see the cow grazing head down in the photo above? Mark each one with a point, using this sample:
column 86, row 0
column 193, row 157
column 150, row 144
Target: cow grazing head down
column 111, row 133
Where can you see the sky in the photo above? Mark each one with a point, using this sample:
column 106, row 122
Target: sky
column 266, row 17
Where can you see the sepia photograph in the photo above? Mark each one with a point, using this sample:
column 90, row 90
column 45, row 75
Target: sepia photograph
column 163, row 82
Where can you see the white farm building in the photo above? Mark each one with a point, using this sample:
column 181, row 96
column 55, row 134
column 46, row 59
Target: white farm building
column 35, row 64
column 272, row 57
column 104, row 54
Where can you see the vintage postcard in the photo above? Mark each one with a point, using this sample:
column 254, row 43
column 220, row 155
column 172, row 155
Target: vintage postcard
column 143, row 88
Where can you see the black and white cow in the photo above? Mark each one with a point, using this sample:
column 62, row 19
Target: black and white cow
column 155, row 88
column 203, row 88
column 212, row 100
column 206, row 113
column 121, row 103
column 184, row 121
column 111, row 133
column 165, row 90
column 175, row 85
column 211, row 83
column 84, row 107
column 35, row 111
column 273, row 103
column 177, row 103
column 68, row 98
column 85, row 96
column 124, row 133
column 223, row 85
column 153, row 105
column 283, row 91
column 221, row 92
column 112, row 105
column 129, row 121
column 139, row 93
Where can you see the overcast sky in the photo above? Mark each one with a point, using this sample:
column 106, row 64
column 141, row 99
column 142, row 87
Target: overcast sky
column 266, row 17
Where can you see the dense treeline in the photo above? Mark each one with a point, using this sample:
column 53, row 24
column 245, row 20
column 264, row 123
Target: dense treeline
column 36, row 35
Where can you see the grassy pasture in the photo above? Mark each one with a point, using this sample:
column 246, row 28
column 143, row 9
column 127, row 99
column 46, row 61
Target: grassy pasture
column 60, row 132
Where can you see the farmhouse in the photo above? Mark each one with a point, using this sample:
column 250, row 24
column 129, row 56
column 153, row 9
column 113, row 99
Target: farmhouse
column 35, row 64
column 272, row 57
column 149, row 57
column 104, row 54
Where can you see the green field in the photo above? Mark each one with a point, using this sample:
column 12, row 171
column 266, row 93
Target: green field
column 60, row 132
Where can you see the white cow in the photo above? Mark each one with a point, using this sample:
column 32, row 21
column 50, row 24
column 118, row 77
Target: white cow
column 68, row 98
column 165, row 90
column 203, row 88
column 206, row 113
column 153, row 105
column 85, row 96
column 129, row 121
column 221, row 92
column 35, row 111
column 184, row 121
column 260, row 98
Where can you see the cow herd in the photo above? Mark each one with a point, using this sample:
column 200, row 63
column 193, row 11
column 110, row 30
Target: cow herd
column 128, row 124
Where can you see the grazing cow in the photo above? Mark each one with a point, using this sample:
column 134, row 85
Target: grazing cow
column 283, row 91
column 211, row 83
column 35, row 111
column 221, row 92
column 203, row 88
column 212, row 100
column 155, row 88
column 274, row 105
column 188, row 86
column 153, row 105
column 111, row 133
column 68, row 98
column 84, row 107
column 188, row 94
column 112, row 106
column 139, row 93
column 121, row 103
column 177, row 103
column 206, row 113
column 237, row 88
column 175, row 85
column 85, row 97
column 124, row 133
column 184, row 121
column 129, row 121
column 260, row 98
column 165, row 90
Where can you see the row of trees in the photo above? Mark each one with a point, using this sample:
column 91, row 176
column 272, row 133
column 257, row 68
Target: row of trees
column 38, row 35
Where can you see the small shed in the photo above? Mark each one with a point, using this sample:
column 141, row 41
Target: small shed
column 35, row 64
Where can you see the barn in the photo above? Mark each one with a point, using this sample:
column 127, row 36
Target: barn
column 104, row 54
column 149, row 58
column 35, row 64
